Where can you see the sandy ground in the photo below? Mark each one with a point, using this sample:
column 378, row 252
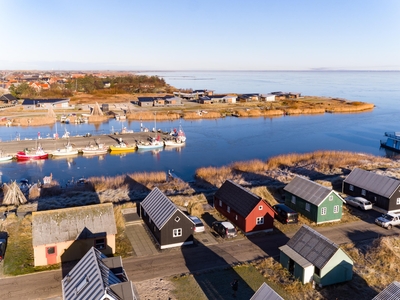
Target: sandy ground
column 155, row 289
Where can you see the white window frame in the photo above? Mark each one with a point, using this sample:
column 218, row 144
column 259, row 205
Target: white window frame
column 336, row 209
column 351, row 187
column 398, row 201
column 308, row 206
column 260, row 207
column 177, row 232
column 323, row 211
column 177, row 219
column 293, row 199
column 228, row 209
column 236, row 217
column 259, row 220
column 220, row 203
column 331, row 198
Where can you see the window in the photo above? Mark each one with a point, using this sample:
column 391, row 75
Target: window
column 177, row 219
column 220, row 203
column 144, row 213
column 51, row 250
column 336, row 209
column 330, row 198
column 82, row 284
column 363, row 192
column 294, row 199
column 398, row 201
column 351, row 187
column 317, row 271
column 236, row 217
column 260, row 220
column 323, row 211
column 177, row 232
column 228, row 209
column 260, row 207
column 307, row 206
column 100, row 244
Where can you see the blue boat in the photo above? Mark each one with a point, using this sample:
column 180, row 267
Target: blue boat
column 392, row 142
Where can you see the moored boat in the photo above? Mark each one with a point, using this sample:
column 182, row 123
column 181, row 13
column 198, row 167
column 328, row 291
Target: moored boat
column 97, row 149
column 122, row 147
column 32, row 154
column 392, row 141
column 66, row 151
column 153, row 143
column 178, row 138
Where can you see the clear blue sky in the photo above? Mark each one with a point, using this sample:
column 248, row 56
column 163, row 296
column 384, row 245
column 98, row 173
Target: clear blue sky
column 200, row 34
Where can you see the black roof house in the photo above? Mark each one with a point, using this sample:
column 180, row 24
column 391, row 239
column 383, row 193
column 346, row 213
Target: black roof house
column 8, row 98
column 97, row 277
column 168, row 224
column 315, row 257
column 382, row 191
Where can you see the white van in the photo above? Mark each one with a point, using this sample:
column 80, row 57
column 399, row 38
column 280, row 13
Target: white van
column 359, row 202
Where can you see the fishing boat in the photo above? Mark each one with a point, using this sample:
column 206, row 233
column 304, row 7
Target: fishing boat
column 27, row 154
column 68, row 150
column 152, row 143
column 5, row 157
column 178, row 138
column 122, row 147
column 95, row 149
column 392, row 141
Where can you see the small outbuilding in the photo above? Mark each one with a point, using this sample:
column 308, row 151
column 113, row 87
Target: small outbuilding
column 167, row 223
column 313, row 200
column 391, row 292
column 97, row 277
column 265, row 292
column 310, row 256
column 62, row 235
column 382, row 191
column 249, row 212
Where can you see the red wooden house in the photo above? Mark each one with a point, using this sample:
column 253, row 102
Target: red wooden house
column 247, row 211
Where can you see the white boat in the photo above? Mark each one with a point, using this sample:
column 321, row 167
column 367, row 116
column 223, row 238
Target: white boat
column 153, row 143
column 66, row 151
column 97, row 149
column 5, row 157
column 178, row 138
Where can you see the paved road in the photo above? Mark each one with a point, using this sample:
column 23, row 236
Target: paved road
column 193, row 259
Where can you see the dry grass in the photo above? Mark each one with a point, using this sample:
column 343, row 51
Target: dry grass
column 304, row 111
column 196, row 115
column 122, row 243
column 98, row 119
column 33, row 121
column 351, row 107
column 150, row 115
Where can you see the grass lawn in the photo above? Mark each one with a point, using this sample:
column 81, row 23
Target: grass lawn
column 216, row 284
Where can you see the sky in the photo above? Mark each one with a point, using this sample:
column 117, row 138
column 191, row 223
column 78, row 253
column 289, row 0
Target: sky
column 146, row 35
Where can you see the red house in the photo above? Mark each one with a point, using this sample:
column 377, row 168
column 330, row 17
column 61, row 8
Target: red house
column 247, row 211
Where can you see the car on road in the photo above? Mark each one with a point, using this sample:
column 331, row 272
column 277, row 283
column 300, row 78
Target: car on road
column 224, row 229
column 3, row 244
column 358, row 202
column 388, row 220
column 285, row 214
column 198, row 224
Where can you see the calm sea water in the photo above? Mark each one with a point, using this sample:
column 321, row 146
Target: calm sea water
column 222, row 141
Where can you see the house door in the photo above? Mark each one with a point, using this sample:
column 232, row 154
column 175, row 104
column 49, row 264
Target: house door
column 291, row 266
column 51, row 255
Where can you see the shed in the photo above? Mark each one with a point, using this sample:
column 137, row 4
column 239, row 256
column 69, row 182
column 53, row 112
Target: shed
column 97, row 277
column 167, row 223
column 265, row 292
column 310, row 256
column 382, row 191
column 67, row 234
column 391, row 292
column 249, row 212
column 313, row 200
column 8, row 98
column 145, row 101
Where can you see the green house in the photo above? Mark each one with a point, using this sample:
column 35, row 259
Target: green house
column 311, row 257
column 314, row 201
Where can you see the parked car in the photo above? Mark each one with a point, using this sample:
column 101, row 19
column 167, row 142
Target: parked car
column 224, row 229
column 3, row 244
column 198, row 224
column 285, row 214
column 388, row 220
column 358, row 202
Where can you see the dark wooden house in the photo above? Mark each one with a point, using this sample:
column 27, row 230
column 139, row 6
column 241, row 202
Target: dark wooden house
column 167, row 223
column 310, row 256
column 249, row 212
column 8, row 99
column 382, row 191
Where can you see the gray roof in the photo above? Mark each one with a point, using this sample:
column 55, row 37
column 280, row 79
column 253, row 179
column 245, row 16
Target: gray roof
column 375, row 183
column 308, row 190
column 391, row 292
column 237, row 197
column 159, row 207
column 68, row 224
column 312, row 246
column 92, row 278
column 265, row 292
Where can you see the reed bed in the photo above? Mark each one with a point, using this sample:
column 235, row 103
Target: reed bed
column 197, row 115
column 351, row 107
column 33, row 121
column 98, row 119
column 151, row 115
column 273, row 112
column 254, row 165
column 304, row 111
column 215, row 176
